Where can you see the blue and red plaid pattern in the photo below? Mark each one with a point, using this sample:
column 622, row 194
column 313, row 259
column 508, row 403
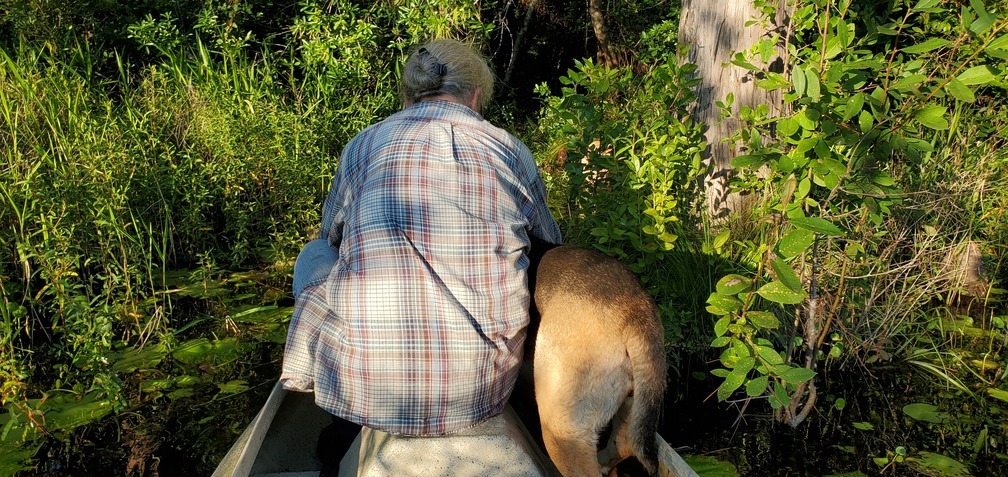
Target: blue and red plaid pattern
column 418, row 329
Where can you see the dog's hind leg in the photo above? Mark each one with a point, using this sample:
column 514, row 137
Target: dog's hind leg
column 577, row 396
column 618, row 448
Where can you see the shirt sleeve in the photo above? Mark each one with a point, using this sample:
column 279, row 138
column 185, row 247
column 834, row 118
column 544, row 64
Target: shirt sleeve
column 333, row 214
column 542, row 224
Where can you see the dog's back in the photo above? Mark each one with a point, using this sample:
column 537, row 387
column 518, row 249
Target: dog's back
column 599, row 340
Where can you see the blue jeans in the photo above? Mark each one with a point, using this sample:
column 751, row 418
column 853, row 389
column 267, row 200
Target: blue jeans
column 313, row 264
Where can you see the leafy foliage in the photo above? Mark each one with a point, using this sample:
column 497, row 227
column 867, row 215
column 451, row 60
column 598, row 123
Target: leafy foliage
column 879, row 96
column 629, row 158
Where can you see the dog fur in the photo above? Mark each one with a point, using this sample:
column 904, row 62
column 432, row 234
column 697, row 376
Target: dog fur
column 598, row 358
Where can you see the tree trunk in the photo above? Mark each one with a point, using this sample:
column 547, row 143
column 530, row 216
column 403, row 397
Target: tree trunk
column 518, row 41
column 598, row 24
column 715, row 30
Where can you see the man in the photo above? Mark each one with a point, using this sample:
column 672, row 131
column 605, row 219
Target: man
column 411, row 307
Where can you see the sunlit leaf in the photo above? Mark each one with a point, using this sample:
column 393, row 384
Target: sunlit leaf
column 770, row 355
column 946, row 466
column 733, row 284
column 720, row 341
column 744, row 364
column 865, row 121
column 746, row 160
column 763, row 319
column 798, row 78
column 730, row 384
column 67, row 412
column 977, row 75
column 131, row 359
column 984, row 19
column 818, row 225
column 233, row 386
column 999, row 47
column 778, row 292
column 722, row 325
column 708, row 466
column 864, row 426
column 958, row 90
column 933, row 116
column 927, row 45
column 797, row 375
column 786, row 274
column 756, row 386
column 193, row 351
column 854, row 106
column 813, row 87
column 998, row 394
column 925, row 412
column 725, row 302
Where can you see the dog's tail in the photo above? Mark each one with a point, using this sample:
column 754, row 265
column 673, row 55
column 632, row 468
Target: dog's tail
column 644, row 341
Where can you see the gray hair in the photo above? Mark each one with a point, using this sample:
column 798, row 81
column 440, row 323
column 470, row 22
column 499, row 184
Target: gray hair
column 446, row 67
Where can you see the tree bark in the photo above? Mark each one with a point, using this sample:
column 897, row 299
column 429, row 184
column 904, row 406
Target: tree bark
column 518, row 41
column 715, row 30
column 598, row 25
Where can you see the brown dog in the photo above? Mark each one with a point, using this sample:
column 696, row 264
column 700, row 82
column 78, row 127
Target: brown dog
column 598, row 350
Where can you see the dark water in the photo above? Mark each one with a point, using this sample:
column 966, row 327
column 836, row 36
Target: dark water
column 827, row 443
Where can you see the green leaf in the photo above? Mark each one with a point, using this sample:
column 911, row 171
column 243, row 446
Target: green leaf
column 925, row 5
column 756, row 386
column 720, row 341
column 233, row 386
column 818, row 225
column 770, row 355
column 883, row 178
column 984, row 19
column 722, row 325
column 779, row 397
column 933, row 116
column 730, row 384
column 746, row 160
column 710, row 466
column 733, row 284
column 725, row 302
column 787, row 127
column 193, row 351
column 928, row 45
column 998, row 394
column 797, row 375
column 977, row 75
column 925, row 412
column 798, row 78
column 778, row 292
column 946, row 466
column 958, row 90
column 864, row 426
column 813, row 87
column 744, row 364
column 854, row 106
column 866, row 121
column 714, row 310
column 786, row 274
column 763, row 319
column 999, row 47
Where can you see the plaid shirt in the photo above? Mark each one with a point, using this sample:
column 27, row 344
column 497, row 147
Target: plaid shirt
column 418, row 329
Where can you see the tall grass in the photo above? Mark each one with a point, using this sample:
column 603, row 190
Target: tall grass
column 214, row 154
column 109, row 182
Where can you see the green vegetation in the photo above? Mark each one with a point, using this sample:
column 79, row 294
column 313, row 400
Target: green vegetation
column 163, row 163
